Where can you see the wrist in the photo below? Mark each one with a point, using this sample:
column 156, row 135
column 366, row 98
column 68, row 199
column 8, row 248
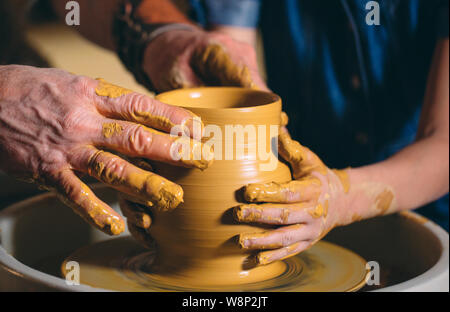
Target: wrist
column 341, row 196
column 133, row 35
column 368, row 197
column 243, row 34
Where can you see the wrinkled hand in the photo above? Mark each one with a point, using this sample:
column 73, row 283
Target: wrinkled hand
column 306, row 208
column 185, row 58
column 55, row 126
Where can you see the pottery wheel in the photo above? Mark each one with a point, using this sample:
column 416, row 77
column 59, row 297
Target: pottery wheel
column 121, row 264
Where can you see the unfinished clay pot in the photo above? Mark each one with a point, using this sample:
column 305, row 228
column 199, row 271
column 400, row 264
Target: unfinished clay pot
column 197, row 241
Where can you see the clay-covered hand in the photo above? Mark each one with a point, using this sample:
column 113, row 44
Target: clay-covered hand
column 306, row 208
column 190, row 58
column 55, row 126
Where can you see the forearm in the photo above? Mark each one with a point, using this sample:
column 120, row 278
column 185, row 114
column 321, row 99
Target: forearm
column 97, row 17
column 418, row 174
column 415, row 176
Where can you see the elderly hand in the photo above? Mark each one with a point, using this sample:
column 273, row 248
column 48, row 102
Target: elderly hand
column 306, row 208
column 190, row 58
column 55, row 126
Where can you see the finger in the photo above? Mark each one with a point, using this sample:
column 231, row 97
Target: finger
column 127, row 178
column 267, row 257
column 119, row 103
column 258, row 82
column 282, row 237
column 141, row 235
column 135, row 214
column 214, row 65
column 77, row 195
column 279, row 214
column 141, row 163
column 302, row 160
column 306, row 189
column 179, row 77
column 136, row 140
column 144, row 203
column 183, row 77
column 284, row 119
column 284, row 130
column 225, row 62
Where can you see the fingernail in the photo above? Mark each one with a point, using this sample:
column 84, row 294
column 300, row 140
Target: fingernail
column 248, row 213
column 170, row 197
column 263, row 258
column 143, row 220
column 284, row 119
column 114, row 226
column 251, row 192
column 243, row 242
column 239, row 212
column 262, row 192
column 162, row 193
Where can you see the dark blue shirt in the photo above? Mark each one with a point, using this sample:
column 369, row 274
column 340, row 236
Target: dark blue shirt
column 353, row 91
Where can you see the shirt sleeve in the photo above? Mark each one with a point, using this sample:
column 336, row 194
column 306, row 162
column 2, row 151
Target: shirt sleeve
column 242, row 13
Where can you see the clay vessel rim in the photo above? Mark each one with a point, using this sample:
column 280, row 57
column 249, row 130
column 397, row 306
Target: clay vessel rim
column 275, row 99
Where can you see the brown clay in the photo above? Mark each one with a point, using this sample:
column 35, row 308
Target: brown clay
column 147, row 187
column 216, row 66
column 111, row 129
column 107, row 89
column 343, row 177
column 121, row 264
column 197, row 242
column 384, row 200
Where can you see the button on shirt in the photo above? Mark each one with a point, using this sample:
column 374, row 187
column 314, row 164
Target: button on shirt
column 353, row 91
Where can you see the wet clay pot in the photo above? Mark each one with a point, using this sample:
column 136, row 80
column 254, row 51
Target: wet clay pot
column 197, row 242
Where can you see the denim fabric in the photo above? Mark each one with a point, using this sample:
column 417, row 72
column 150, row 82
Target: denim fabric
column 353, row 92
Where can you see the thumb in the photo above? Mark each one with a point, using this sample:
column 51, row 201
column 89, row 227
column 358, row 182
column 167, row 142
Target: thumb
column 135, row 214
column 302, row 160
column 215, row 67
